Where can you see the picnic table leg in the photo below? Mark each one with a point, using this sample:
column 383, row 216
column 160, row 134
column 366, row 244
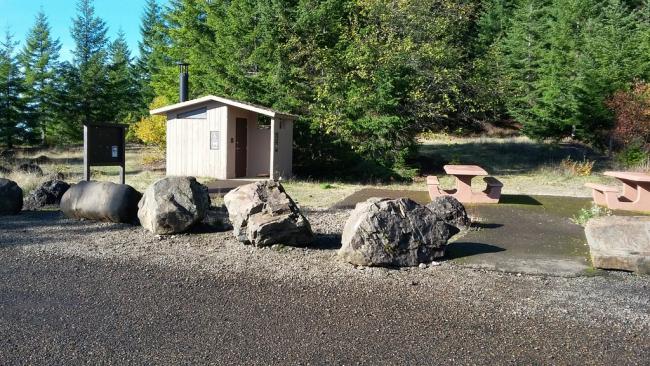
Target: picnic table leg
column 642, row 200
column 629, row 190
column 464, row 188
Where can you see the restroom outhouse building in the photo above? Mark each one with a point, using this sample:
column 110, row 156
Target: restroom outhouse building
column 224, row 139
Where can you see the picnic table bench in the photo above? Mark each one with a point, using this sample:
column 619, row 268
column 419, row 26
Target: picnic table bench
column 635, row 195
column 463, row 190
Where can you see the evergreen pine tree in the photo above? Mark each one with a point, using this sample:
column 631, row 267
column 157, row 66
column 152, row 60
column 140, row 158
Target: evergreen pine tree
column 560, row 84
column 523, row 50
column 90, row 62
column 192, row 41
column 39, row 60
column 122, row 89
column 611, row 61
column 153, row 51
column 642, row 38
column 488, row 76
column 12, row 105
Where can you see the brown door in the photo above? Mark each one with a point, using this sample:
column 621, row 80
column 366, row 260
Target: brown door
column 241, row 145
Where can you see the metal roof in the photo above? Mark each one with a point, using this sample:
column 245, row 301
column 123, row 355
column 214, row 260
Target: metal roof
column 231, row 102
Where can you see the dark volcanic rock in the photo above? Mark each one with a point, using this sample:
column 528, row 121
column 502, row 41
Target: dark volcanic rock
column 30, row 168
column 11, row 197
column 399, row 232
column 42, row 159
column 49, row 193
column 450, row 210
column 7, row 154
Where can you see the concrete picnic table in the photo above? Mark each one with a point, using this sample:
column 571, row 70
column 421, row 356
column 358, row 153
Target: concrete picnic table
column 635, row 195
column 463, row 191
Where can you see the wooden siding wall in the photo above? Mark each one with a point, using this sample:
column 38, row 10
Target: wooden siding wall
column 188, row 143
column 284, row 155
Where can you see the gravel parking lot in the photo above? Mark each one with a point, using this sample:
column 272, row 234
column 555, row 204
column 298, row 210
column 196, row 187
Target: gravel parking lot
column 82, row 292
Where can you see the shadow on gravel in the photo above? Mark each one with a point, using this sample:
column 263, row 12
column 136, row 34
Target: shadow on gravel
column 18, row 230
column 460, row 250
column 326, row 242
column 216, row 221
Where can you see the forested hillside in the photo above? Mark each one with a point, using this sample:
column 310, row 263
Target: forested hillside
column 364, row 75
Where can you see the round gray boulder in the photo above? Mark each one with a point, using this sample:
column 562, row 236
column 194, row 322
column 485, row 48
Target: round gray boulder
column 11, row 197
column 399, row 232
column 101, row 201
column 263, row 214
column 48, row 193
column 173, row 204
column 450, row 210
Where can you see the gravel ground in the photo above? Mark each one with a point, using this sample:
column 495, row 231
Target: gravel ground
column 82, row 292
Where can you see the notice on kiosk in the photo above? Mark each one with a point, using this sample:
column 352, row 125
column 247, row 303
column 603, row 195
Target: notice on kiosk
column 114, row 152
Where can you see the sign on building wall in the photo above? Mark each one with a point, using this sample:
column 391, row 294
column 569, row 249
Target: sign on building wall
column 104, row 145
column 214, row 140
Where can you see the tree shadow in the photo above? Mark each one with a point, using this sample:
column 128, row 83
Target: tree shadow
column 501, row 158
column 464, row 249
column 362, row 195
column 519, row 199
column 485, row 225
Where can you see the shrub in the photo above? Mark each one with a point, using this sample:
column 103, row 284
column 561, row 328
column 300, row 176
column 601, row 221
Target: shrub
column 577, row 168
column 633, row 155
column 152, row 130
column 586, row 214
column 632, row 115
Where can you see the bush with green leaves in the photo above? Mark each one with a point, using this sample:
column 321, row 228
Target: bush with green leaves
column 634, row 155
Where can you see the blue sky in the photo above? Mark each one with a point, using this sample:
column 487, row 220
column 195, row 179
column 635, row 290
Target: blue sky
column 19, row 16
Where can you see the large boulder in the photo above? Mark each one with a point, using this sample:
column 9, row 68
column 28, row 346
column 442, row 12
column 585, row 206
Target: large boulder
column 393, row 232
column 101, row 201
column 11, row 197
column 173, row 204
column 48, row 193
column 30, row 168
column 620, row 242
column 450, row 210
column 263, row 214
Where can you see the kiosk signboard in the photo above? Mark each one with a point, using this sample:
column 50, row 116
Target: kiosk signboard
column 104, row 145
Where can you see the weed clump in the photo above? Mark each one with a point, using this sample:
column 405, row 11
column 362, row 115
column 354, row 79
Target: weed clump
column 577, row 168
column 586, row 214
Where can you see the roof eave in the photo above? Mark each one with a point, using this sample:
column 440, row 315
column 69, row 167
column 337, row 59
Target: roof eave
column 212, row 98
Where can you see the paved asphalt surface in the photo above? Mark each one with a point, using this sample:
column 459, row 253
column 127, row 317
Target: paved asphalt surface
column 67, row 310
